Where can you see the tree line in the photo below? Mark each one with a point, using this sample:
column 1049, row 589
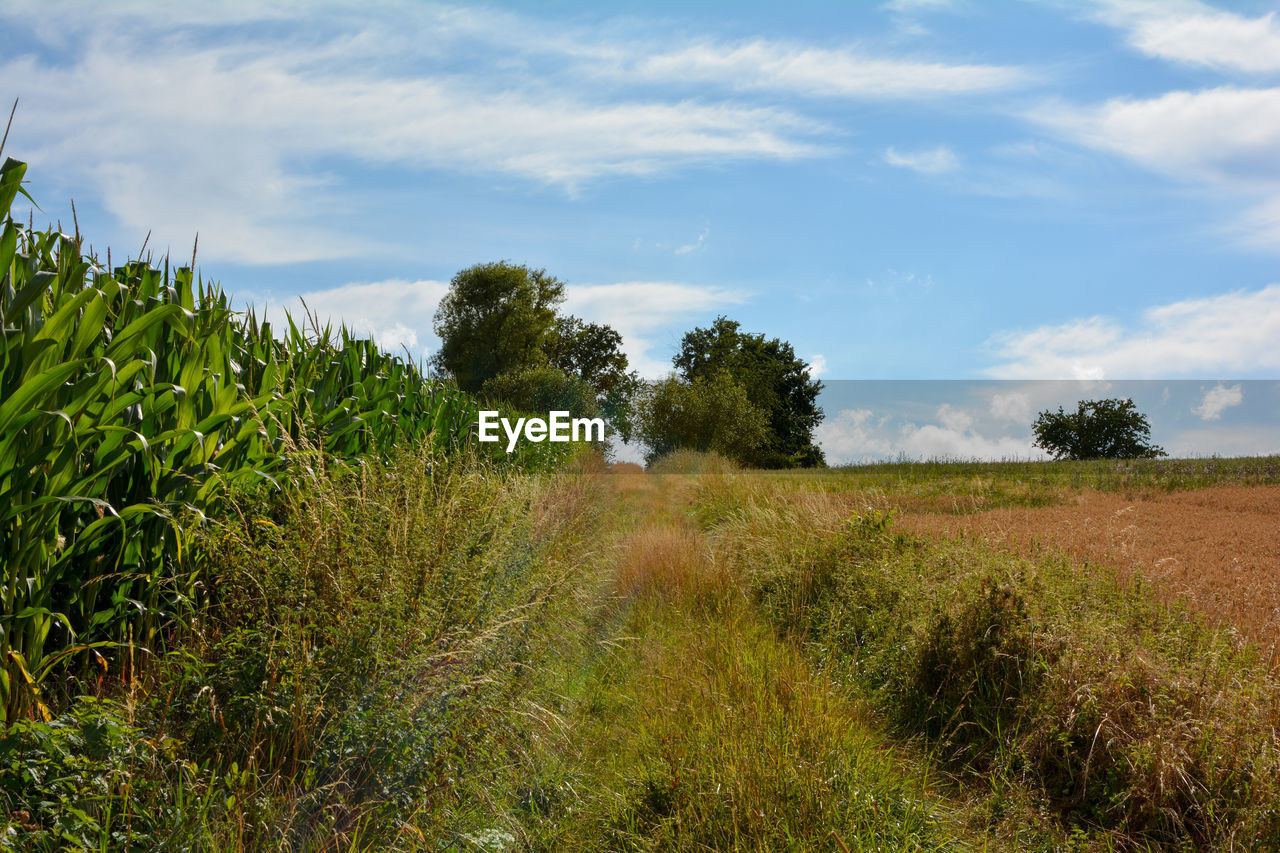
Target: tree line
column 734, row 392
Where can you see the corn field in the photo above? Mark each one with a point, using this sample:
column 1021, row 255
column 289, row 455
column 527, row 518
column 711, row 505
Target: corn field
column 130, row 398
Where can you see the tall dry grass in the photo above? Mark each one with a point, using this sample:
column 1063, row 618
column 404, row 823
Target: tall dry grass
column 1130, row 719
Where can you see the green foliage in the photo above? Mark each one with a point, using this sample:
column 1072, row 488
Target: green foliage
column 89, row 780
column 709, row 414
column 356, row 679
column 1132, row 721
column 777, row 382
column 500, row 333
column 542, row 389
column 495, row 318
column 1098, row 429
column 131, row 401
column 593, row 353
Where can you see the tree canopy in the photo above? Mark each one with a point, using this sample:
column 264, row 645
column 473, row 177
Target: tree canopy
column 707, row 413
column 495, row 318
column 592, row 352
column 1097, row 429
column 775, row 380
column 543, row 389
column 501, row 336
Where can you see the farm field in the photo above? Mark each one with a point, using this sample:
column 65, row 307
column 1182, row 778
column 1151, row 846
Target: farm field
column 1218, row 547
column 1032, row 698
column 692, row 657
column 303, row 610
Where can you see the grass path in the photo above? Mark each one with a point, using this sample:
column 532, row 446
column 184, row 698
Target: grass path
column 682, row 722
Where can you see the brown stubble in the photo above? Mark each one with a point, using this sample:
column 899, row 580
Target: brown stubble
column 1219, row 548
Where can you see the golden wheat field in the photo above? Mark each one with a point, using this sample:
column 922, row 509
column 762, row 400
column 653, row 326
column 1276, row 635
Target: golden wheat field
column 1218, row 547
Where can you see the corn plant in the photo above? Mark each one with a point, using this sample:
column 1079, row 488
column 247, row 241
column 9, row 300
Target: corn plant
column 130, row 398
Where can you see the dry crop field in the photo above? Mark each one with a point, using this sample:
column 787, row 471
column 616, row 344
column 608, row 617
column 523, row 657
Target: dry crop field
column 1205, row 532
column 1218, row 547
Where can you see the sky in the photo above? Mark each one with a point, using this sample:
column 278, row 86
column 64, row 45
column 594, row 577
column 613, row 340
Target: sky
column 905, row 190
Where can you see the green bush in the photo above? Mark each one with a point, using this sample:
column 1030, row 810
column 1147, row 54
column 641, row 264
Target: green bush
column 710, row 415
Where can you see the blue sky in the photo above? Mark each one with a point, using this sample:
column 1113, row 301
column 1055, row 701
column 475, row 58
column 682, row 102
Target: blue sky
column 918, row 189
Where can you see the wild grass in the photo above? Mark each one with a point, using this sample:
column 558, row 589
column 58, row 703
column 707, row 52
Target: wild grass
column 1127, row 719
column 351, row 684
column 683, row 722
column 964, row 487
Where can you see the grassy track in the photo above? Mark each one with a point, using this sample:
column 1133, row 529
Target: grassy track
column 685, row 722
column 437, row 653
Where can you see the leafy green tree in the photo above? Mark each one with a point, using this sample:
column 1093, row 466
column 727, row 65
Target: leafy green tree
column 776, row 381
column 495, row 318
column 593, row 353
column 1097, row 429
column 543, row 389
column 708, row 413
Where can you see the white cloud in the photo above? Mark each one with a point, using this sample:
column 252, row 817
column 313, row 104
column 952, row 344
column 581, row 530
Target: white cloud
column 697, row 245
column 956, row 420
column 943, row 442
column 1217, row 400
column 768, row 65
column 397, row 312
column 1224, row 139
column 224, row 140
column 179, row 127
column 643, row 310
column 817, row 365
column 1011, row 406
column 1226, row 134
column 852, row 436
column 861, row 435
column 929, row 161
column 1196, row 33
column 1224, row 335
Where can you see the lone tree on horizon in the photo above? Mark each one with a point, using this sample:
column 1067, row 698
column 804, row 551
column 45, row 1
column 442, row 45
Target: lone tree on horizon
column 1097, row 429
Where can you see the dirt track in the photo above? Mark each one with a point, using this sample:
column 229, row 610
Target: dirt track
column 1220, row 547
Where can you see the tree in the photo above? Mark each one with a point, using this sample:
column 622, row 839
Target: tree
column 592, row 352
column 709, row 413
column 776, row 381
column 543, row 389
column 1097, row 429
column 495, row 318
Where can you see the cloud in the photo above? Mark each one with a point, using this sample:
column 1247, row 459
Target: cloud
column 956, row 420
column 1226, row 134
column 1231, row 334
column 817, row 365
column 1224, row 139
column 696, row 246
column 930, row 161
column 1217, row 400
column 943, row 442
column 768, row 65
column 852, row 436
column 228, row 139
column 1196, row 33
column 397, row 312
column 863, row 435
column 642, row 310
column 1011, row 406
